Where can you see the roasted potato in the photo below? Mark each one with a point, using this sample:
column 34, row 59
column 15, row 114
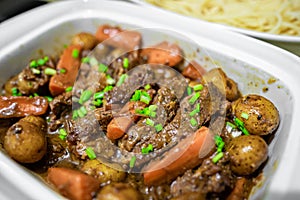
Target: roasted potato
column 118, row 191
column 259, row 115
column 25, row 141
column 86, row 40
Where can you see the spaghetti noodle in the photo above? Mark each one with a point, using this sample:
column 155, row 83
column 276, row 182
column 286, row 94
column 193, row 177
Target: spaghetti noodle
column 270, row 16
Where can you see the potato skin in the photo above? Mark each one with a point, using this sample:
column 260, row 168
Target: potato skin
column 247, row 153
column 118, row 191
column 86, row 40
column 103, row 172
column 263, row 115
column 25, row 141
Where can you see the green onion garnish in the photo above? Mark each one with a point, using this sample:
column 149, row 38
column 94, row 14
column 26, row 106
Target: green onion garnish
column 220, row 143
column 35, row 71
column 147, row 87
column 85, row 60
column 193, row 113
column 33, row 64
column 189, row 90
column 194, row 98
column 108, row 88
column 50, row 71
column 158, row 127
column 122, row 79
column 75, row 114
column 41, row 62
column 35, row 94
column 49, row 98
column 69, row 89
column 99, row 95
column 62, row 71
column 198, row 87
column 15, row 92
column 132, row 161
column 217, row 157
column 80, row 113
column 146, row 150
column 193, row 122
column 149, row 122
column 46, row 58
column 90, row 153
column 230, row 124
column 62, row 134
column 136, row 96
column 153, row 108
column 97, row 102
column 85, row 96
column 110, row 80
column 245, row 115
column 93, row 61
column 83, row 110
column 240, row 124
column 125, row 63
column 75, row 53
column 198, row 107
column 145, row 97
column 102, row 68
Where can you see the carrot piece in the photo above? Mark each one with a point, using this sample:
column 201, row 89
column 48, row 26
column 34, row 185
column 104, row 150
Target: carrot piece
column 128, row 40
column 21, row 106
column 69, row 62
column 193, row 70
column 73, row 184
column 238, row 191
column 163, row 53
column 187, row 154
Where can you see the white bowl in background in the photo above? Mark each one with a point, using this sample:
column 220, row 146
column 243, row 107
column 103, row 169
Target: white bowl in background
column 248, row 61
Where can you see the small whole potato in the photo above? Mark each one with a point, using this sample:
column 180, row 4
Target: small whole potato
column 103, row 172
column 247, row 153
column 25, row 140
column 262, row 117
column 118, row 191
column 86, row 40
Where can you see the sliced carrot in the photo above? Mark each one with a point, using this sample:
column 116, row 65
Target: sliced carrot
column 128, row 40
column 193, row 70
column 73, row 184
column 21, row 106
column 238, row 191
column 69, row 62
column 187, row 154
column 163, row 53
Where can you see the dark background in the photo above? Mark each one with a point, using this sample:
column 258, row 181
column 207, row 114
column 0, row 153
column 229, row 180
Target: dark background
column 10, row 8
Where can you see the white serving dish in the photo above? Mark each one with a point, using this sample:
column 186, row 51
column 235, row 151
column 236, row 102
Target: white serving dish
column 245, row 59
column 290, row 43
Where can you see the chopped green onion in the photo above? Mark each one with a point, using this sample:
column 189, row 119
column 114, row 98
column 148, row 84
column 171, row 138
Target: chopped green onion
column 194, row 98
column 230, row 124
column 153, row 108
column 62, row 134
column 83, row 110
column 49, row 98
column 62, row 71
column 75, row 114
column 35, row 94
column 217, row 157
column 132, row 161
column 149, row 122
column 85, row 60
column 146, row 150
column 245, row 115
column 99, row 95
column 35, row 71
column 75, row 53
column 122, row 79
column 198, row 107
column 110, row 80
column 136, row 96
column 193, row 113
column 189, row 90
column 125, row 63
column 145, row 97
column 85, row 96
column 69, row 89
column 102, row 68
column 90, row 153
column 193, row 122
column 93, row 61
column 152, row 114
column 147, row 87
column 80, row 113
column 15, row 92
column 108, row 88
column 240, row 124
column 33, row 64
column 97, row 102
column 220, row 143
column 198, row 87
column 50, row 71
column 158, row 127
column 46, row 58
column 41, row 62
